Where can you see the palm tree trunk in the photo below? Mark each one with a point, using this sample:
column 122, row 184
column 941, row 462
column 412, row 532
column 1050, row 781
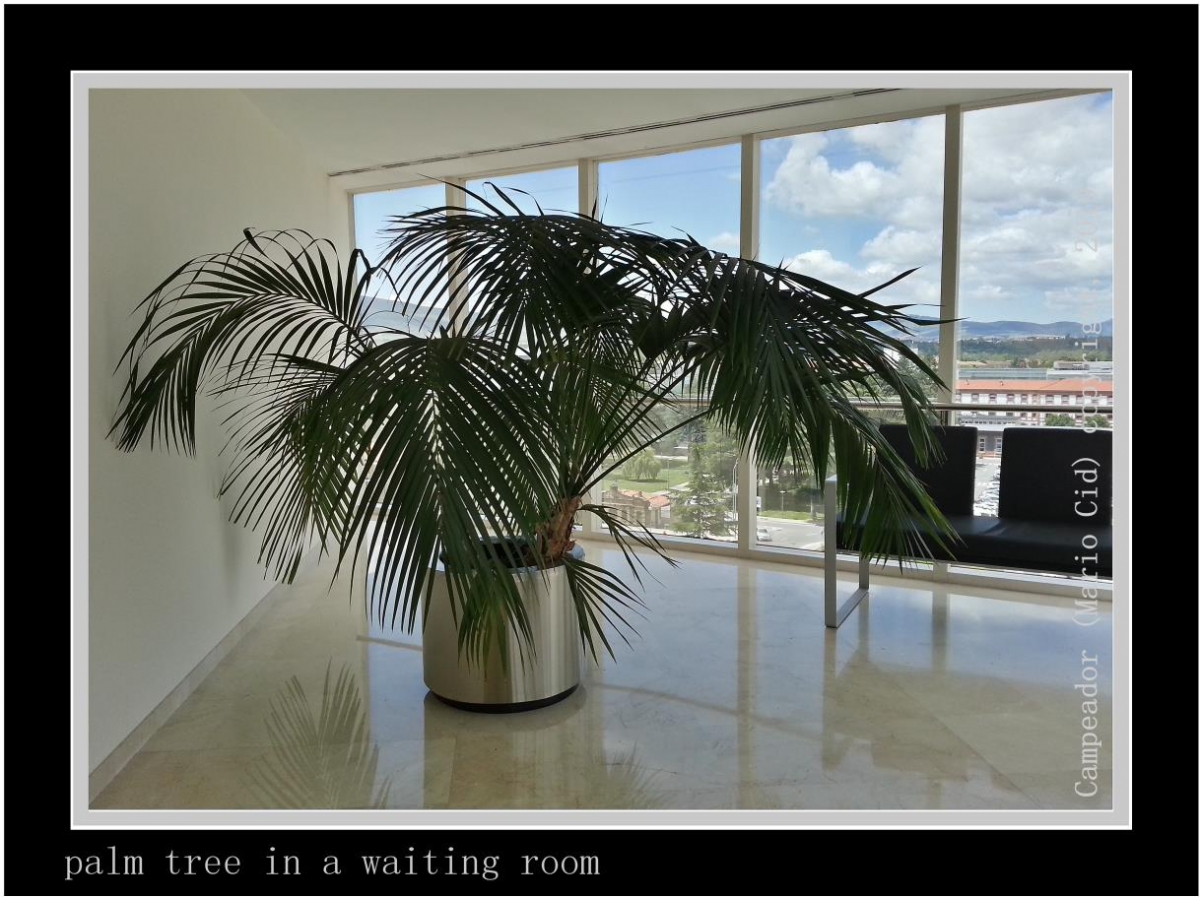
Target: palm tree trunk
column 555, row 536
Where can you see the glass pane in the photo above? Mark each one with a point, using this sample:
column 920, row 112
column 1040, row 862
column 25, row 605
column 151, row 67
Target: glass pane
column 683, row 485
column 853, row 207
column 372, row 211
column 694, row 192
column 790, row 510
column 790, row 500
column 556, row 190
column 1036, row 277
column 856, row 207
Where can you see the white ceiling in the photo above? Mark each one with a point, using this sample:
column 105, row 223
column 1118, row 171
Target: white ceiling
column 372, row 136
column 353, row 129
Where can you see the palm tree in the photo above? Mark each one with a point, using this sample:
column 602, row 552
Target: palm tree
column 537, row 349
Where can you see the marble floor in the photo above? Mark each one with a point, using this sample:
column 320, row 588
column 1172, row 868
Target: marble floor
column 733, row 695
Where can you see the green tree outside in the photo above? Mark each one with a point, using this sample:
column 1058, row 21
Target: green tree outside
column 702, row 508
column 698, row 511
column 643, row 466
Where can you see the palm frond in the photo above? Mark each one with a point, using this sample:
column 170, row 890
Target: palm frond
column 544, row 345
column 219, row 312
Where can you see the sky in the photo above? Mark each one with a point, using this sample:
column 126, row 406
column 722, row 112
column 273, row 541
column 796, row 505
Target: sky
column 854, row 207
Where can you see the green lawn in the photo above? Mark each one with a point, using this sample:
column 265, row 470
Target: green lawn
column 678, row 474
column 786, row 515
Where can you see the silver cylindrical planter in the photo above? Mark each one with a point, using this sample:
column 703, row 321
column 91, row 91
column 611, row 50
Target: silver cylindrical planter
column 548, row 676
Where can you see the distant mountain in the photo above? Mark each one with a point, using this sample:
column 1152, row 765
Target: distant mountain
column 1011, row 329
column 383, row 314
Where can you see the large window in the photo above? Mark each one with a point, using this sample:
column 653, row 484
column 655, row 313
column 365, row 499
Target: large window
column 856, row 207
column 1036, row 267
column 373, row 211
column 684, row 484
column 1037, row 239
column 553, row 190
column 694, row 192
column 372, row 216
column 853, row 207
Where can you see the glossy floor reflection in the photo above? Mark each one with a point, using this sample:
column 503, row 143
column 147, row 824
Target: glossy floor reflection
column 734, row 695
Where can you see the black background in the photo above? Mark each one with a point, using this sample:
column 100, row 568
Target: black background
column 45, row 44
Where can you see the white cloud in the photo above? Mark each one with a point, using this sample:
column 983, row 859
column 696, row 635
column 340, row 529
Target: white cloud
column 1037, row 208
column 725, row 242
column 820, row 264
column 905, row 188
column 1080, row 304
column 904, row 247
column 922, row 287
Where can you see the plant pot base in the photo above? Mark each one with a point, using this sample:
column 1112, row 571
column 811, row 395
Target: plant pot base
column 516, row 707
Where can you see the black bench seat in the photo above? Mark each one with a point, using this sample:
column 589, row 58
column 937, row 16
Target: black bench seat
column 1055, row 508
column 1040, row 545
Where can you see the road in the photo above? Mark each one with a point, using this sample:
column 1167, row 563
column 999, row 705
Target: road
column 983, row 475
column 792, row 533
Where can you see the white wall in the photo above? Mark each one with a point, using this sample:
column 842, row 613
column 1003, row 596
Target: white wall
column 172, row 174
